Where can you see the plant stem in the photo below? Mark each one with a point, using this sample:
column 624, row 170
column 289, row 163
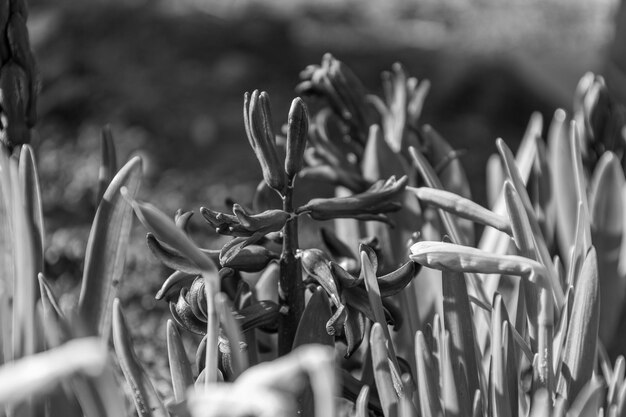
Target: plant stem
column 291, row 290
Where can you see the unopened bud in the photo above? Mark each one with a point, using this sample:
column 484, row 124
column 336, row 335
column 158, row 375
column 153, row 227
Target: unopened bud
column 298, row 128
column 257, row 118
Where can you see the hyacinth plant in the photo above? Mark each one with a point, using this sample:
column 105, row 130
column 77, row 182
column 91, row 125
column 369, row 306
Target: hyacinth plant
column 402, row 312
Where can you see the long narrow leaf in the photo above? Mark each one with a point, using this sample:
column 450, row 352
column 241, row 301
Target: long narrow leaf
column 579, row 352
column 106, row 250
column 427, row 382
column 607, row 212
column 539, row 242
column 29, row 179
column 108, row 162
column 382, row 371
column 457, row 318
column 24, row 317
column 147, row 401
column 180, row 367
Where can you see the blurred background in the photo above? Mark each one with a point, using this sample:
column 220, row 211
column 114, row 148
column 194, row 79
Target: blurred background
column 169, row 77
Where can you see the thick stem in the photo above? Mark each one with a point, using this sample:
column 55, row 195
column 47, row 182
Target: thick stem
column 291, row 285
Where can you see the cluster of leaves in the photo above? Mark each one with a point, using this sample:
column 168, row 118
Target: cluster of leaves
column 404, row 312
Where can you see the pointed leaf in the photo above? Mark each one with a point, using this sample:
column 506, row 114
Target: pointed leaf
column 29, row 178
column 580, row 344
column 607, row 231
column 108, row 162
column 382, row 372
column 106, row 250
column 427, row 382
column 147, row 401
column 457, row 317
column 180, row 367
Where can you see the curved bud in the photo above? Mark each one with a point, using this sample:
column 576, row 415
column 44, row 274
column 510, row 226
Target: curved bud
column 173, row 285
column 265, row 222
column 316, row 264
column 373, row 204
column 248, row 258
column 395, row 281
column 298, row 128
column 257, row 118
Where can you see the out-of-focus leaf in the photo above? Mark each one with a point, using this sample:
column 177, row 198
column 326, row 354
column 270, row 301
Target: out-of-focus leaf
column 106, row 250
column 477, row 405
column 180, row 367
column 108, row 162
column 360, row 405
column 267, row 286
column 49, row 301
column 607, row 231
column 382, row 371
column 495, row 179
column 589, row 399
column 579, row 351
column 563, row 185
column 541, row 404
column 457, row 317
column 147, row 401
column 615, row 384
column 41, row 372
column 427, row 382
column 352, row 387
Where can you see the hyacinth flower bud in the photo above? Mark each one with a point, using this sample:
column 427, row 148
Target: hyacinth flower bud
column 373, row 204
column 258, row 124
column 298, row 128
column 265, row 222
column 239, row 255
